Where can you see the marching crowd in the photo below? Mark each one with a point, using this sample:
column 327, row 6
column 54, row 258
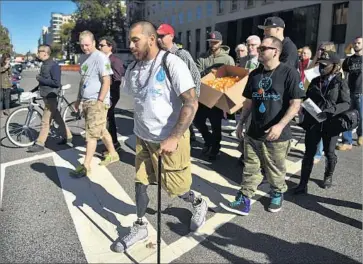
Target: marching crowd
column 165, row 81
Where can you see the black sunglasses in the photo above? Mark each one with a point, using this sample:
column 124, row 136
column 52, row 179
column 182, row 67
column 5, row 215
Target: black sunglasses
column 264, row 48
column 161, row 36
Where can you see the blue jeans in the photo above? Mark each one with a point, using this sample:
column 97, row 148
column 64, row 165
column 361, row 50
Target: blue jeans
column 356, row 103
column 319, row 152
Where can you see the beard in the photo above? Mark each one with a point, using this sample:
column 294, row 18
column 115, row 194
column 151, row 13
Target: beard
column 357, row 49
column 142, row 54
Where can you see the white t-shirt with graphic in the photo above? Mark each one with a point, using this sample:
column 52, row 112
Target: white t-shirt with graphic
column 157, row 106
column 93, row 67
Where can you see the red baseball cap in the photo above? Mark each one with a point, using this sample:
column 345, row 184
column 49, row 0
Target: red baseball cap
column 165, row 29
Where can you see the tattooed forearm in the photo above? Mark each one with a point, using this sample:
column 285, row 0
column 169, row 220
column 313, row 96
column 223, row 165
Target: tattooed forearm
column 246, row 111
column 187, row 113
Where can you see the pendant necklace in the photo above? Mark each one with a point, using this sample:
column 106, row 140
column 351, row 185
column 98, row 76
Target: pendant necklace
column 138, row 83
column 265, row 83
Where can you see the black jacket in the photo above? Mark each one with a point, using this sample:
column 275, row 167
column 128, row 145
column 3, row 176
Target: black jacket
column 49, row 79
column 333, row 100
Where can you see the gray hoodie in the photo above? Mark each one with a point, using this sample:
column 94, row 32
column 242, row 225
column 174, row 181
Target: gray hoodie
column 207, row 61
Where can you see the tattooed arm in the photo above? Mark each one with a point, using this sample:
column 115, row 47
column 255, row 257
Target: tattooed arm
column 187, row 113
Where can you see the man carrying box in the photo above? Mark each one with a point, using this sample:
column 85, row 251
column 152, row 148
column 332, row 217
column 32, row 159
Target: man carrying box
column 213, row 59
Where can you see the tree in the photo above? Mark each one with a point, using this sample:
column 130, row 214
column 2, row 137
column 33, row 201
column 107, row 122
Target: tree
column 5, row 45
column 56, row 50
column 102, row 18
column 66, row 35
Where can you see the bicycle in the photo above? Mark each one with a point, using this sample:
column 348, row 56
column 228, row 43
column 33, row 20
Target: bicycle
column 29, row 128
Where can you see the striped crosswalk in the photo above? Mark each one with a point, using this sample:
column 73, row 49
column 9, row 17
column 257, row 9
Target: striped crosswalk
column 96, row 216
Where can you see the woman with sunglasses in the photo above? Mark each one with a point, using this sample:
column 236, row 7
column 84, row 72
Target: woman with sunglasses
column 331, row 94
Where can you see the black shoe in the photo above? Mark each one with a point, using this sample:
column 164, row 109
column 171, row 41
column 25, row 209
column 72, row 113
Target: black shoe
column 206, row 150
column 35, row 148
column 213, row 155
column 328, row 183
column 65, row 141
column 301, row 189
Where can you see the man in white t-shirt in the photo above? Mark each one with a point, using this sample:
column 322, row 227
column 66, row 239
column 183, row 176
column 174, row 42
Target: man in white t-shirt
column 163, row 111
column 94, row 94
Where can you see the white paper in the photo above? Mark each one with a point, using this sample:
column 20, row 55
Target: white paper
column 312, row 73
column 312, row 109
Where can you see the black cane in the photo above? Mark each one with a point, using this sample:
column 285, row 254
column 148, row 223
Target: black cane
column 159, row 209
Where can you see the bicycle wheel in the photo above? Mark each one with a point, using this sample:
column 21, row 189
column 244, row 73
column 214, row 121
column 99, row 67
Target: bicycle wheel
column 74, row 120
column 23, row 126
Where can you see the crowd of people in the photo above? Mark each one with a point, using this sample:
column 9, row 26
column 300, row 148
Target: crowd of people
column 165, row 81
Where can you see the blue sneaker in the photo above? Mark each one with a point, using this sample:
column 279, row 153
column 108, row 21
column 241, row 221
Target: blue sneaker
column 276, row 202
column 241, row 206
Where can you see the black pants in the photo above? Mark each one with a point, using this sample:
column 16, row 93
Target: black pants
column 312, row 139
column 115, row 96
column 5, row 98
column 215, row 116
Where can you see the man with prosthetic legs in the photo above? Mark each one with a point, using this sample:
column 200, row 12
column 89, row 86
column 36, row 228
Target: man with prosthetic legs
column 164, row 110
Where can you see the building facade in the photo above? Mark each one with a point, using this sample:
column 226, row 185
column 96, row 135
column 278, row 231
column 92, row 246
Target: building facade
column 56, row 22
column 307, row 22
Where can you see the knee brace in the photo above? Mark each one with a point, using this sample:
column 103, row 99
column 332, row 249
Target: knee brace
column 142, row 200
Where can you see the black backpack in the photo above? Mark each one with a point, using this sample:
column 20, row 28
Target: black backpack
column 345, row 121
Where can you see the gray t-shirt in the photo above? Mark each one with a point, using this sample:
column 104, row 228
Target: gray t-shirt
column 93, row 67
column 157, row 106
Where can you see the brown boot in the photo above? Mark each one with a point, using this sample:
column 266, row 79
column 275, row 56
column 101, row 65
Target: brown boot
column 360, row 141
column 344, row 147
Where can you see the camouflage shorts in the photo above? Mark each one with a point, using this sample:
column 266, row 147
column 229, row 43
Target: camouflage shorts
column 96, row 119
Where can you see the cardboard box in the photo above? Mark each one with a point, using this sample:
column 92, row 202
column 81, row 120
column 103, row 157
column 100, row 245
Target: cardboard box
column 229, row 101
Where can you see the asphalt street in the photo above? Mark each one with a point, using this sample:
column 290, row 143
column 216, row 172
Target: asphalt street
column 48, row 217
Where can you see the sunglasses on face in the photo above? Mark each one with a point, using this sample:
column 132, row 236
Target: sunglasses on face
column 39, row 51
column 161, row 36
column 264, row 48
column 102, row 45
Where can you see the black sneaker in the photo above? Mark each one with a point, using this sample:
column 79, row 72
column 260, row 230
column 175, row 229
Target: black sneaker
column 35, row 148
column 276, row 202
column 65, row 141
column 206, row 150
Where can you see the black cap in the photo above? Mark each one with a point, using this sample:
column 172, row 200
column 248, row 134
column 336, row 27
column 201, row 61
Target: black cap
column 328, row 57
column 215, row 36
column 272, row 22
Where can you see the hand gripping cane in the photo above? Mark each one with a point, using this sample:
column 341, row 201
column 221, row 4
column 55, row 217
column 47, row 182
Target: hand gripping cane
column 159, row 210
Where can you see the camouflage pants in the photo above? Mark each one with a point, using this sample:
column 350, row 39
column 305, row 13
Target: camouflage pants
column 271, row 157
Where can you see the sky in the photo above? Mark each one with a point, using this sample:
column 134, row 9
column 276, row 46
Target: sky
column 25, row 20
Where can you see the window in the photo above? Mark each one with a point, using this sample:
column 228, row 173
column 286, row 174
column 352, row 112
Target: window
column 250, row 3
column 173, row 20
column 339, row 27
column 181, row 18
column 197, row 43
column 209, row 9
column 190, row 16
column 189, row 40
column 220, row 6
column 180, row 37
column 234, row 5
column 199, row 13
column 153, row 8
column 208, row 30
